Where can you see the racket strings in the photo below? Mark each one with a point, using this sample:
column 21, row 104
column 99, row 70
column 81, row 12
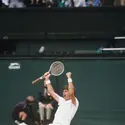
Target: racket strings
column 57, row 69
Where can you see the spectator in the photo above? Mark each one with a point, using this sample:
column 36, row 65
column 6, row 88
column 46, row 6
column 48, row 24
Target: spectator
column 79, row 3
column 44, row 3
column 23, row 112
column 5, row 3
column 16, row 4
column 94, row 3
column 46, row 106
column 122, row 2
column 72, row 3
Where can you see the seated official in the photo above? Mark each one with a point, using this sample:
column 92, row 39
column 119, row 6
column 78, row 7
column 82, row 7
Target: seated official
column 23, row 112
column 46, row 106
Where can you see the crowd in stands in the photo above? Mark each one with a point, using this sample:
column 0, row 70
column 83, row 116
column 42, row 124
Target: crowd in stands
column 59, row 3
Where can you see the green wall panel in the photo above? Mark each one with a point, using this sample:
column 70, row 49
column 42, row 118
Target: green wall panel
column 99, row 87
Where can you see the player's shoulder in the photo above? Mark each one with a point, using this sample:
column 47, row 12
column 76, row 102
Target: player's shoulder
column 61, row 100
column 77, row 102
column 77, row 99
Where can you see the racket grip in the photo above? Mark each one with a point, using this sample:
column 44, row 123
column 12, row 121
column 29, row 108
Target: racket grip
column 42, row 77
column 33, row 82
column 38, row 79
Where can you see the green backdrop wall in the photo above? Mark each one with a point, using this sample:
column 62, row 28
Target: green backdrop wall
column 99, row 85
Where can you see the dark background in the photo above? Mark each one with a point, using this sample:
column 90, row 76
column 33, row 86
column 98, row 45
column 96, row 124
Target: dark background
column 44, row 22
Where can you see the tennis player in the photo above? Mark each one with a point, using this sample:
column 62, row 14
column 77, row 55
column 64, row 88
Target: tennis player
column 68, row 104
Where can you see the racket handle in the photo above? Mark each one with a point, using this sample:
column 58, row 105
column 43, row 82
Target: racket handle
column 33, row 82
column 38, row 79
column 42, row 77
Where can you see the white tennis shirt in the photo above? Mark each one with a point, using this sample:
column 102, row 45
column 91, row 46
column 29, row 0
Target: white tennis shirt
column 65, row 112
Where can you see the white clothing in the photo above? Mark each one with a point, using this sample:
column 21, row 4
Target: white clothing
column 65, row 112
column 6, row 2
column 79, row 3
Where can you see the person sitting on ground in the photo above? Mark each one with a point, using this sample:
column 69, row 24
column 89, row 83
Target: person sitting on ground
column 23, row 113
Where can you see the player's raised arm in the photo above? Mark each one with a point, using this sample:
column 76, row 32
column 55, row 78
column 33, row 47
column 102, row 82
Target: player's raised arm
column 49, row 86
column 71, row 88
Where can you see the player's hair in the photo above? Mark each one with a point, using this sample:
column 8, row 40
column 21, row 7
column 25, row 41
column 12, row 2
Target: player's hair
column 67, row 88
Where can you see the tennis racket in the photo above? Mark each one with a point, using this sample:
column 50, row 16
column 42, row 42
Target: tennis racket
column 56, row 69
